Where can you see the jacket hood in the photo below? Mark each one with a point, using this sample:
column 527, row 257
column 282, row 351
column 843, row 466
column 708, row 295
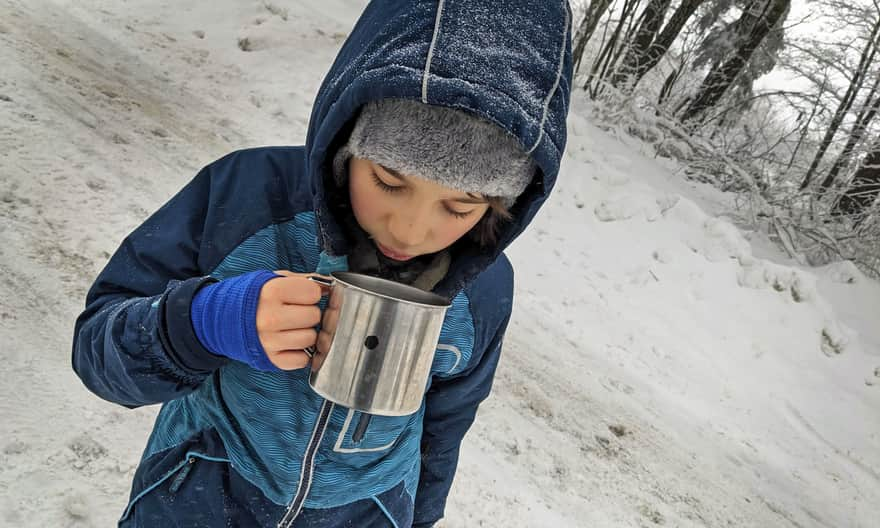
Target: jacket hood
column 508, row 62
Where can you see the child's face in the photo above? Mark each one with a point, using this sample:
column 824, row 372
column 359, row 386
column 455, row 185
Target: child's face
column 407, row 216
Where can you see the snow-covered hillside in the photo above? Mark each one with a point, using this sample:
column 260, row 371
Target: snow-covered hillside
column 663, row 366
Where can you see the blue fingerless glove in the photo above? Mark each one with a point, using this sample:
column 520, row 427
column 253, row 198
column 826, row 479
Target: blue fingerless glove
column 224, row 316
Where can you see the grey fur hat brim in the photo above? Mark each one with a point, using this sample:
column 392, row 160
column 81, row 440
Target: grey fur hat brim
column 444, row 145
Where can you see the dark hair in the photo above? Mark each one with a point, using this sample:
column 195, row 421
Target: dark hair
column 485, row 233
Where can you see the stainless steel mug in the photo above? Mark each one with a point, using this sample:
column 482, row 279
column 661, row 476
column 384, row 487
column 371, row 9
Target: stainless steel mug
column 384, row 335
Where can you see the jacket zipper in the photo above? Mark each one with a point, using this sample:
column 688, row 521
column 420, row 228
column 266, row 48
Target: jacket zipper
column 181, row 475
column 307, row 470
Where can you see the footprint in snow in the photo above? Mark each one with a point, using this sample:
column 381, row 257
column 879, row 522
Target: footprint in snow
column 280, row 12
column 87, row 450
column 652, row 514
column 76, row 505
column 15, row 447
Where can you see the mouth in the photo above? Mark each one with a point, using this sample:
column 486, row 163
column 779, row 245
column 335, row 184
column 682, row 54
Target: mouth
column 392, row 254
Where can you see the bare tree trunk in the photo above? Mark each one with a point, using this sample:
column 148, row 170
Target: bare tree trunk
column 588, row 26
column 607, row 53
column 649, row 24
column 628, row 37
column 667, row 36
column 864, row 187
column 866, row 115
column 719, row 79
column 627, row 19
column 667, row 87
column 806, row 128
column 854, row 86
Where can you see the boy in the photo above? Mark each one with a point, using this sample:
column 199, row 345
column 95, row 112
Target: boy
column 433, row 141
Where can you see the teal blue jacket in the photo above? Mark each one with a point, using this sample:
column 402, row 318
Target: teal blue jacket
column 236, row 446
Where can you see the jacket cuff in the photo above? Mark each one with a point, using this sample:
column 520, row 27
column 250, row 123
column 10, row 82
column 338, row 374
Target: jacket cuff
column 176, row 328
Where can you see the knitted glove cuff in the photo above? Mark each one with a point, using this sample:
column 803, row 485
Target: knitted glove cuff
column 224, row 316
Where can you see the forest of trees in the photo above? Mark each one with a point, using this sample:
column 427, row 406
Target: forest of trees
column 803, row 152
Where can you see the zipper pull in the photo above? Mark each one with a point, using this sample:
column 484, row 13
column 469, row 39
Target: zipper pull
column 361, row 428
column 181, row 476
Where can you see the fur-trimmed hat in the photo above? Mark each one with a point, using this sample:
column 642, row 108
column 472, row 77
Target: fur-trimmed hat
column 444, row 145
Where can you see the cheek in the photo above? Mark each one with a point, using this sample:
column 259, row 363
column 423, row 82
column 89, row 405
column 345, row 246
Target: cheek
column 367, row 207
column 446, row 232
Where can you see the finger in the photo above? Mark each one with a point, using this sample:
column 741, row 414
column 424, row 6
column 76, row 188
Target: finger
column 295, row 316
column 325, row 339
column 329, row 320
column 289, row 340
column 335, row 300
column 326, row 278
column 287, row 317
column 288, row 273
column 324, row 287
column 295, row 289
column 290, row 359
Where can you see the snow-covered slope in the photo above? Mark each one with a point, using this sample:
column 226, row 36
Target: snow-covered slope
column 662, row 367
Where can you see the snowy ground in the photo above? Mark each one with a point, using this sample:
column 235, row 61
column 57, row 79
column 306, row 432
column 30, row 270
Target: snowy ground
column 662, row 368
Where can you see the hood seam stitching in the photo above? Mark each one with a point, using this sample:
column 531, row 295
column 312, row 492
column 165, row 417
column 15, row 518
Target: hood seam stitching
column 434, row 38
column 555, row 84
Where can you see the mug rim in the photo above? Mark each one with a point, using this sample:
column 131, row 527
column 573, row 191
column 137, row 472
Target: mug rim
column 414, row 296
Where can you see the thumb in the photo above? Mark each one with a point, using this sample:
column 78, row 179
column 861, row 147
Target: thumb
column 324, row 283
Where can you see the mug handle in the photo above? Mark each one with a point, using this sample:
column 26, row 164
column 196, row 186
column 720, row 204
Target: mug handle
column 329, row 282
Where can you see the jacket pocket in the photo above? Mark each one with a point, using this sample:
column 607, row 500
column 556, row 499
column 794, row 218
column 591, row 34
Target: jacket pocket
column 382, row 435
column 170, row 484
column 176, row 475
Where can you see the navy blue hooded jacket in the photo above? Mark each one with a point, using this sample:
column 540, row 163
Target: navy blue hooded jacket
column 233, row 446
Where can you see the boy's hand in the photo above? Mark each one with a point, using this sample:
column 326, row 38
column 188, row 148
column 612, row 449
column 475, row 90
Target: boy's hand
column 287, row 314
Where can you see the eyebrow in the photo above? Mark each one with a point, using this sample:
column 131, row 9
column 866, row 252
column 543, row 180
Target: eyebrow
column 471, row 199
column 392, row 172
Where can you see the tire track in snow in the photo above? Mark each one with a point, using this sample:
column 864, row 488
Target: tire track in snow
column 811, row 431
column 100, row 85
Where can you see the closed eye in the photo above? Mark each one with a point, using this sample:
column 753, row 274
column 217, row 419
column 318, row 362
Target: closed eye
column 385, row 187
column 457, row 214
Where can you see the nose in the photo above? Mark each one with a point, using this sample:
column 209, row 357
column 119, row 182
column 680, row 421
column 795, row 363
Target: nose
column 410, row 226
